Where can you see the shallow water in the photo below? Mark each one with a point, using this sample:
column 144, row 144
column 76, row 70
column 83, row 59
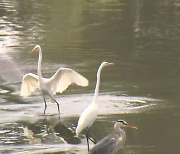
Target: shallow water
column 140, row 37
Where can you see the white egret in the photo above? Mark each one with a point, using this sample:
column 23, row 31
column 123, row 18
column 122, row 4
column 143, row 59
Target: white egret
column 89, row 115
column 50, row 86
column 113, row 142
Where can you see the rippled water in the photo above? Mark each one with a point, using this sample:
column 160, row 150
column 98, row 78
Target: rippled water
column 142, row 39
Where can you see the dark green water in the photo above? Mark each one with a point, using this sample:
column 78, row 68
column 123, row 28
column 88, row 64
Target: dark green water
column 140, row 36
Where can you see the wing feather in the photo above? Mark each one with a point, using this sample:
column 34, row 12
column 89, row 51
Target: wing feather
column 106, row 146
column 63, row 78
column 29, row 84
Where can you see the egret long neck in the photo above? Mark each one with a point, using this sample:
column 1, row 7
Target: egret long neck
column 97, row 84
column 39, row 63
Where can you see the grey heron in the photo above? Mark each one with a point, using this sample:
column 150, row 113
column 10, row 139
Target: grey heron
column 113, row 142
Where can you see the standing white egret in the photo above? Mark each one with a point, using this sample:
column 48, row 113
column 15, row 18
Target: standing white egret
column 89, row 115
column 113, row 142
column 50, row 86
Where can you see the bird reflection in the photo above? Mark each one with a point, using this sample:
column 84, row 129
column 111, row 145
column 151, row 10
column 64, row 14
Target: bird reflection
column 50, row 136
column 47, row 134
column 30, row 135
column 45, row 137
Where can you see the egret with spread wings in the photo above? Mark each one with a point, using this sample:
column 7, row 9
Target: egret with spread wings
column 50, row 86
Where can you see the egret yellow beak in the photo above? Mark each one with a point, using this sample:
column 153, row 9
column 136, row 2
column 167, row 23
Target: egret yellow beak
column 33, row 50
column 111, row 63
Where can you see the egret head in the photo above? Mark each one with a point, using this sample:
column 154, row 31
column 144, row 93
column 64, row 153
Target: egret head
column 106, row 63
column 122, row 123
column 35, row 49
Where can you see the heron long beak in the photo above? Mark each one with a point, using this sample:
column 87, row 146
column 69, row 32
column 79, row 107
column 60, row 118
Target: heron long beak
column 131, row 126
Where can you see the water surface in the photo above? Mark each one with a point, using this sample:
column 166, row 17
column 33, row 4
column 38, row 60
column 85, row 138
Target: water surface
column 142, row 39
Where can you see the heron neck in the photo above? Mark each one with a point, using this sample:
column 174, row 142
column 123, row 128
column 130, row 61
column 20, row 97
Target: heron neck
column 39, row 63
column 97, row 84
column 120, row 132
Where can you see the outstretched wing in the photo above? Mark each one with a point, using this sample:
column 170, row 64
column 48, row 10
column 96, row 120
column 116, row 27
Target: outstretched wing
column 29, row 84
column 63, row 78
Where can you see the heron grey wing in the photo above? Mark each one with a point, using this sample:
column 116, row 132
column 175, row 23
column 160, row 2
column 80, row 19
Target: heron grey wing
column 105, row 146
column 29, row 84
column 63, row 78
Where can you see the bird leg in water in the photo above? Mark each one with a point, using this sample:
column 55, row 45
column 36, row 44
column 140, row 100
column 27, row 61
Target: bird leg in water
column 45, row 104
column 92, row 140
column 87, row 137
column 56, row 103
column 57, row 106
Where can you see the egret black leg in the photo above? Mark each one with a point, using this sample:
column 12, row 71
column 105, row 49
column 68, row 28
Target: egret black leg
column 57, row 105
column 45, row 104
column 87, row 137
column 92, row 140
